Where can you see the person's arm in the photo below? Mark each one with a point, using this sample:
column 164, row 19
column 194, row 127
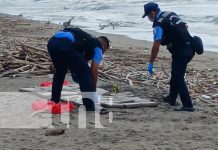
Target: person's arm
column 158, row 33
column 94, row 70
column 154, row 51
column 97, row 58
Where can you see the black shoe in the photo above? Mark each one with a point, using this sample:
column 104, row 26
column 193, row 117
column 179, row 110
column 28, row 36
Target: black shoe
column 188, row 109
column 89, row 104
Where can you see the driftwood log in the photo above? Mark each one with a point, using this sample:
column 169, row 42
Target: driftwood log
column 22, row 58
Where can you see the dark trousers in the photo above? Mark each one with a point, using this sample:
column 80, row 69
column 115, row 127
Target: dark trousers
column 177, row 82
column 65, row 55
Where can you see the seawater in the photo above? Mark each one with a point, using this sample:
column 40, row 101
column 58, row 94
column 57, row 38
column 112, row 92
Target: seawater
column 201, row 15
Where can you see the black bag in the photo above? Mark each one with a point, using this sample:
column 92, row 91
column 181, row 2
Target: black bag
column 197, row 45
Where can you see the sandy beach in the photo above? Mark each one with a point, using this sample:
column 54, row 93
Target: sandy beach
column 132, row 129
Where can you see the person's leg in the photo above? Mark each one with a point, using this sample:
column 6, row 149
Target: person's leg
column 173, row 82
column 177, row 83
column 58, row 81
column 79, row 68
column 183, row 90
column 57, row 55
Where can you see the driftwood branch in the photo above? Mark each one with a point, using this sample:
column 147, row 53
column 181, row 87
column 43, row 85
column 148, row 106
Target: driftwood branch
column 24, row 59
column 34, row 48
column 68, row 23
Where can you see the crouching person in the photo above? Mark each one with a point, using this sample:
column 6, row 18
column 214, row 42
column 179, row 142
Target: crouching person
column 72, row 48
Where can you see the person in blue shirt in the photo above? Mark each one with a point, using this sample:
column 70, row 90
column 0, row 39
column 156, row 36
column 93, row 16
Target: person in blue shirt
column 170, row 30
column 72, row 48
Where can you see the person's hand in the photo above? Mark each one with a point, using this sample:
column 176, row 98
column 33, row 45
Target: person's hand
column 150, row 68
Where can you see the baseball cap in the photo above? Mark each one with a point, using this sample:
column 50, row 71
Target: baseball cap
column 149, row 7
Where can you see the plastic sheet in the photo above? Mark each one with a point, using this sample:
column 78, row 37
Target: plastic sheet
column 52, row 107
column 49, row 83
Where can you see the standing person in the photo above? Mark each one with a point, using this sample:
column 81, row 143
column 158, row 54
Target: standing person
column 71, row 49
column 171, row 31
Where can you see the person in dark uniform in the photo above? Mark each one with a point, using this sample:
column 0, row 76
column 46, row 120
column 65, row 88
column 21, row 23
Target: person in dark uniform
column 171, row 31
column 72, row 48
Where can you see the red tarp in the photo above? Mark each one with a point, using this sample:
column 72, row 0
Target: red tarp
column 49, row 83
column 54, row 108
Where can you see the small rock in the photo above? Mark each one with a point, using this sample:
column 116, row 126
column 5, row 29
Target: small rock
column 203, row 117
column 130, row 48
column 54, row 132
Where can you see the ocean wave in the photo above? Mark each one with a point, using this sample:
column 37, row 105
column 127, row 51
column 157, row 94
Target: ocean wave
column 101, row 6
column 37, row 0
column 200, row 15
column 206, row 19
column 118, row 24
column 212, row 19
column 91, row 6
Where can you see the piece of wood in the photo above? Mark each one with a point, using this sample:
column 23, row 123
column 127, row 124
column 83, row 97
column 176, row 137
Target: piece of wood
column 113, row 105
column 63, row 93
column 35, row 48
column 123, row 94
column 207, row 101
column 110, row 76
column 29, row 89
column 147, row 76
column 42, row 72
column 67, row 23
column 215, row 112
column 164, row 71
column 141, row 104
column 15, row 71
column 129, row 80
column 125, row 101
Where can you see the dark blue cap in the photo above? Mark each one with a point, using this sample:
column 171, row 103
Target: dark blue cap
column 149, row 7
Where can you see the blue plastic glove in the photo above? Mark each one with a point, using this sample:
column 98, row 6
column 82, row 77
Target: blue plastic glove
column 150, row 68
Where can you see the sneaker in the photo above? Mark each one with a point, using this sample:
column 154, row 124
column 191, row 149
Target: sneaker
column 188, row 109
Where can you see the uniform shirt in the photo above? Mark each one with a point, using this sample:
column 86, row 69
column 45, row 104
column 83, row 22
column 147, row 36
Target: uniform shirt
column 158, row 31
column 97, row 57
